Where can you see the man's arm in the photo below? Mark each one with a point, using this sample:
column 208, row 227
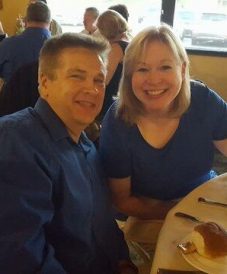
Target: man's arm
column 26, row 207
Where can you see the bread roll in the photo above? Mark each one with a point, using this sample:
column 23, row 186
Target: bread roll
column 210, row 240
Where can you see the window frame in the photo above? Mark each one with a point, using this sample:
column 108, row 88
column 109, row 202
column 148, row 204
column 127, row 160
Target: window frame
column 167, row 16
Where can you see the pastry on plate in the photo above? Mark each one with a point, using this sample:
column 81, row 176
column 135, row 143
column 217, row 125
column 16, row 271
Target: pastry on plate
column 210, row 240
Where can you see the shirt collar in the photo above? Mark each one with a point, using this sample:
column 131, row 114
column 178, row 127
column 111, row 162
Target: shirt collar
column 43, row 31
column 55, row 125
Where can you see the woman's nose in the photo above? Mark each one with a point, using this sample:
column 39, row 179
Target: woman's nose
column 154, row 77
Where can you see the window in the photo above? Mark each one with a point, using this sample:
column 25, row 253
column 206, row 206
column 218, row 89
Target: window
column 203, row 27
column 70, row 15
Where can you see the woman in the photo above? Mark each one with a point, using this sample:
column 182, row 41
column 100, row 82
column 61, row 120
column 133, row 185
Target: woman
column 114, row 28
column 157, row 142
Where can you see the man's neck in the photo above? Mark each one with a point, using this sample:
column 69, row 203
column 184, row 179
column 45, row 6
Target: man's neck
column 41, row 25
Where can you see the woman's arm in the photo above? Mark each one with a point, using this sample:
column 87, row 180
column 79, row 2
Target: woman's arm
column 221, row 146
column 141, row 207
column 114, row 58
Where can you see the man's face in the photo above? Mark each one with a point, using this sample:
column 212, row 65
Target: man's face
column 77, row 91
column 89, row 20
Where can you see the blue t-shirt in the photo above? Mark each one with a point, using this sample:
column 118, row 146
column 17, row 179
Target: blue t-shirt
column 55, row 209
column 182, row 164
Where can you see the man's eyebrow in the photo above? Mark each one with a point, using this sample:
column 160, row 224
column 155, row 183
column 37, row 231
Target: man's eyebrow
column 76, row 70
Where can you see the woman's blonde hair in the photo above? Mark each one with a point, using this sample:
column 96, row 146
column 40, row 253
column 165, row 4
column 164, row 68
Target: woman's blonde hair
column 130, row 107
column 112, row 24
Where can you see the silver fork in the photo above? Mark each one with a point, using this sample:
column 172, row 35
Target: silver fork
column 189, row 217
column 211, row 202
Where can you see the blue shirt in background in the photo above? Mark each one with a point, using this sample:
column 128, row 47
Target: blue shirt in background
column 182, row 164
column 22, row 49
column 55, row 210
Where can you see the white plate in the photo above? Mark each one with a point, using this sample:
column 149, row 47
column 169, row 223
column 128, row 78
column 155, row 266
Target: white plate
column 211, row 266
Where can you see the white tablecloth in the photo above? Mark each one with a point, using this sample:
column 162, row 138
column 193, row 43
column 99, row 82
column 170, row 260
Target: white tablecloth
column 167, row 255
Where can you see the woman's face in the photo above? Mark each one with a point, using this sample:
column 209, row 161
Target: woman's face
column 157, row 78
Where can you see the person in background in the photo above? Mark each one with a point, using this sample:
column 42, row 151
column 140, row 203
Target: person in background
column 90, row 16
column 122, row 9
column 22, row 49
column 114, row 28
column 157, row 141
column 57, row 213
column 21, row 90
column 55, row 27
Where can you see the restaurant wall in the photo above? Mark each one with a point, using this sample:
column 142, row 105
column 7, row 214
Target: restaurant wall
column 10, row 11
column 212, row 70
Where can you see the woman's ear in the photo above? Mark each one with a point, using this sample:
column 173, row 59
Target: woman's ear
column 183, row 68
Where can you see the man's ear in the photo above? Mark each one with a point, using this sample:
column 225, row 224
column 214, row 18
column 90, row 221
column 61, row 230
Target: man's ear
column 43, row 85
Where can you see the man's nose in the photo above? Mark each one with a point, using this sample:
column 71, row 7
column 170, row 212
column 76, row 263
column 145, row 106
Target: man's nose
column 91, row 88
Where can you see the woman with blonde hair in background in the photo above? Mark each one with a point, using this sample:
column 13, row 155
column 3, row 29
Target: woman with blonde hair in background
column 114, row 28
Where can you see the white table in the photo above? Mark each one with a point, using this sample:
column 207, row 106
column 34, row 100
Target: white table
column 174, row 229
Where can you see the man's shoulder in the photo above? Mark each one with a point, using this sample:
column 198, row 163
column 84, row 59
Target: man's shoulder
column 20, row 124
column 7, row 42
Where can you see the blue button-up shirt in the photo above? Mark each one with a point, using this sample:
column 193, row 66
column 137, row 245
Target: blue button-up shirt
column 22, row 49
column 55, row 212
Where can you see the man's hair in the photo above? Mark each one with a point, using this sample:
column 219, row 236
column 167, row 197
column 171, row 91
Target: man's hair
column 53, row 47
column 129, row 106
column 122, row 9
column 93, row 10
column 38, row 12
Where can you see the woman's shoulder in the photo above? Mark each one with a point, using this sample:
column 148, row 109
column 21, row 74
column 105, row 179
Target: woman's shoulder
column 120, row 44
column 113, row 119
column 204, row 100
column 200, row 91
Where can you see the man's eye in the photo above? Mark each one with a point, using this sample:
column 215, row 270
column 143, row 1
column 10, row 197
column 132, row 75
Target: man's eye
column 76, row 76
column 100, row 81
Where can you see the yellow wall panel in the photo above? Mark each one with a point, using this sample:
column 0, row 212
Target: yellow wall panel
column 10, row 11
column 211, row 70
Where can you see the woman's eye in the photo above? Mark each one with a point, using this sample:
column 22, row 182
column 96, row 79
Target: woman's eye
column 142, row 69
column 166, row 67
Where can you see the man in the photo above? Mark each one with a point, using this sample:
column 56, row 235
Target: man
column 55, row 215
column 90, row 16
column 55, row 27
column 24, row 48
